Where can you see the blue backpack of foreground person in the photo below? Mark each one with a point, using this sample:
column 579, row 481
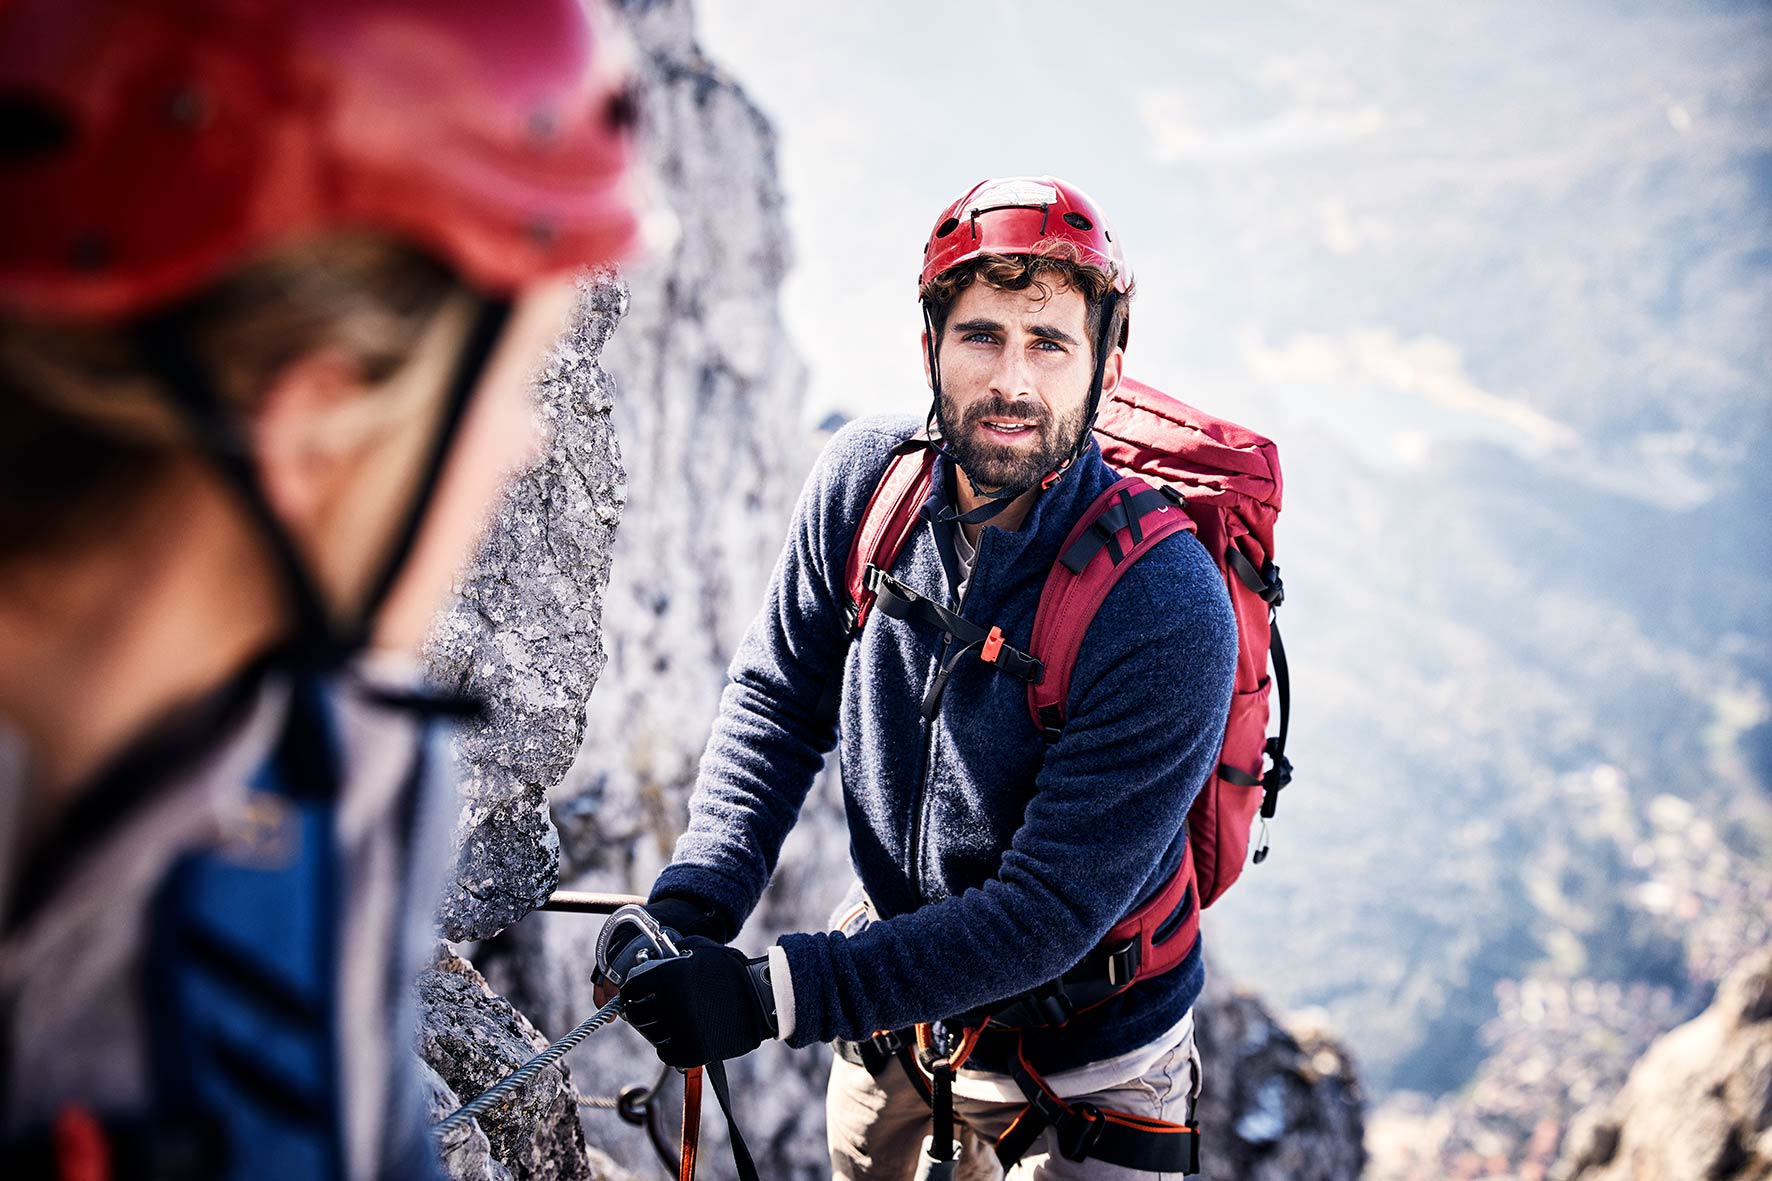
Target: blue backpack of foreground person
column 207, row 937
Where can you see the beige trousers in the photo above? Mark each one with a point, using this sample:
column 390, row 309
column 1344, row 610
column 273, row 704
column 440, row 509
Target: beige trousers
column 875, row 1126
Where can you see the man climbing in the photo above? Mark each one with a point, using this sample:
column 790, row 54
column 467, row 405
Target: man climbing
column 273, row 276
column 993, row 854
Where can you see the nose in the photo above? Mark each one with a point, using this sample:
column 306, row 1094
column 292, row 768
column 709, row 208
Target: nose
column 1012, row 376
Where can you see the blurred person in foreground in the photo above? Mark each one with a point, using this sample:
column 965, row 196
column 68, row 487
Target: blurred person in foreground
column 273, row 276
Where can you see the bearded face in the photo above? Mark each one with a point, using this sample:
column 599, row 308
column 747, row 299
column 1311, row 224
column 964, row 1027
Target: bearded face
column 1007, row 442
column 1015, row 375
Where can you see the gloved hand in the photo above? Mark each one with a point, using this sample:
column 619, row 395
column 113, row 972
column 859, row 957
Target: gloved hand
column 679, row 916
column 706, row 1006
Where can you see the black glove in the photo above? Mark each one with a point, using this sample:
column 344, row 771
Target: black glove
column 705, row 1006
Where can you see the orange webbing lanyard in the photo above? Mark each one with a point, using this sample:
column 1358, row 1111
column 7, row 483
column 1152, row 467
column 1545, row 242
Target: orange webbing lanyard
column 691, row 1122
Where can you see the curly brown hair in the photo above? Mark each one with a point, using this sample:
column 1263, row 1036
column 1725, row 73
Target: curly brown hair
column 1059, row 264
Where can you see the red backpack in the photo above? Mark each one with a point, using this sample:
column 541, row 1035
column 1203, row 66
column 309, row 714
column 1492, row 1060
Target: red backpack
column 1226, row 480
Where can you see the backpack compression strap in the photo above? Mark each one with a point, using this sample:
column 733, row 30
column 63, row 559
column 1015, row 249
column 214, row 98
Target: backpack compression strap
column 887, row 522
column 1267, row 585
column 1156, row 938
column 1123, row 524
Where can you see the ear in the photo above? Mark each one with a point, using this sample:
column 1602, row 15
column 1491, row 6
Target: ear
column 928, row 377
column 298, row 460
column 1111, row 372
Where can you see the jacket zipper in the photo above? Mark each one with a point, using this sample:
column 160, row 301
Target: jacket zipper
column 922, row 798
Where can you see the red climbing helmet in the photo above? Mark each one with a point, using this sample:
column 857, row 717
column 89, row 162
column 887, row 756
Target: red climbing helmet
column 1022, row 215
column 146, row 146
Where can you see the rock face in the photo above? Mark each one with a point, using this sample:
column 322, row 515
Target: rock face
column 467, row 1153
column 1698, row 1106
column 1279, row 1104
column 708, row 411
column 524, row 633
column 472, row 1038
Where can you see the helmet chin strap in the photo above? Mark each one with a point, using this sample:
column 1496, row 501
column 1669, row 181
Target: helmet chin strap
column 999, row 499
column 995, row 501
column 315, row 640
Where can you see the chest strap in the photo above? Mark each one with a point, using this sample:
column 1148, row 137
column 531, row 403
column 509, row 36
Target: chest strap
column 899, row 601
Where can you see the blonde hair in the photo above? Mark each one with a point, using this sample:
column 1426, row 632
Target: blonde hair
column 85, row 425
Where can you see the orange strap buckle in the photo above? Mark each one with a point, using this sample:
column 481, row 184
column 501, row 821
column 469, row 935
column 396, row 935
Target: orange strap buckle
column 993, row 644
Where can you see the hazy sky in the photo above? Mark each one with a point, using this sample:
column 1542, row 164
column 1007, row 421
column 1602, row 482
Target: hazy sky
column 1396, row 225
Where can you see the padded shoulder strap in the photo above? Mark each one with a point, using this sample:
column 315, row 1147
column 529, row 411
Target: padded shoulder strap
column 1119, row 528
column 887, row 522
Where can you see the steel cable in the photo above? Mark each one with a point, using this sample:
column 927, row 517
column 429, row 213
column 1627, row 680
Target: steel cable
column 485, row 1099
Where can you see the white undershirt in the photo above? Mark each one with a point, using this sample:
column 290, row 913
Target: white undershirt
column 966, row 554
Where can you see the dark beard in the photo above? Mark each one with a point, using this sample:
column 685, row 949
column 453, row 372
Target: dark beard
column 992, row 465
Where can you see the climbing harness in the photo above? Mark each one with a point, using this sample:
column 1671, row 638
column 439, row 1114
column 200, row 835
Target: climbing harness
column 1156, row 938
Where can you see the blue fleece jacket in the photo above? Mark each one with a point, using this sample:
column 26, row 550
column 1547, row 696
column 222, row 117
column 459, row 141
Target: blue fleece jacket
column 993, row 862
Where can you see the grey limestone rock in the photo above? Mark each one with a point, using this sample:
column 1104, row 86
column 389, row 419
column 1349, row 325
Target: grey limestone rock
column 524, row 633
column 1280, row 1102
column 1698, row 1105
column 709, row 414
column 472, row 1038
column 466, row 1152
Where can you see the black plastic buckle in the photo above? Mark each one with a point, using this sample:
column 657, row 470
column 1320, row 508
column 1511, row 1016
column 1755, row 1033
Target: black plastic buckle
column 1079, row 1131
column 1054, row 1008
column 877, row 1052
column 1278, row 776
column 1173, row 493
column 1051, row 722
column 1275, row 594
column 1123, row 962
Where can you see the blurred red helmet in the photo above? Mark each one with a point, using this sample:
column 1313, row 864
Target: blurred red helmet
column 1022, row 215
column 148, row 146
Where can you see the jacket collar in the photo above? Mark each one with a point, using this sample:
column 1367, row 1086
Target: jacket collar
column 1042, row 531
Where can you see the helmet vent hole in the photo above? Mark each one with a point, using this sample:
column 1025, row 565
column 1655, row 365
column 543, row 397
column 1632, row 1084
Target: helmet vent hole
column 1077, row 221
column 623, row 112
column 29, row 127
column 90, row 251
column 947, row 227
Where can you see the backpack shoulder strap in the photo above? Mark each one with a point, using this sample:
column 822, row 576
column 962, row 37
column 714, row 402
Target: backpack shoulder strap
column 887, row 522
column 1121, row 526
